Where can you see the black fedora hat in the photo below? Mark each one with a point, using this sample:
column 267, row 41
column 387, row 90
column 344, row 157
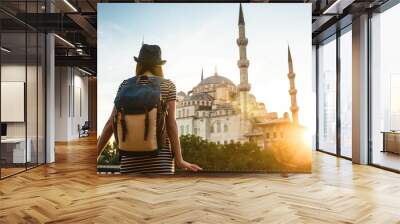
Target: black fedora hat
column 150, row 55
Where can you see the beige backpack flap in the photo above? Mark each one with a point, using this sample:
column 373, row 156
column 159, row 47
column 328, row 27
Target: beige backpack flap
column 135, row 132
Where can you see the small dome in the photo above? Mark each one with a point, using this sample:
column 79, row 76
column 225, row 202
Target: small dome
column 181, row 93
column 286, row 115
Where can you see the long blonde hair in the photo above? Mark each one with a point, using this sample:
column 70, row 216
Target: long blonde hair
column 155, row 70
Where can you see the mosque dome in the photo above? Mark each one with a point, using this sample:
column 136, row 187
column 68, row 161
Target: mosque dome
column 212, row 81
column 216, row 79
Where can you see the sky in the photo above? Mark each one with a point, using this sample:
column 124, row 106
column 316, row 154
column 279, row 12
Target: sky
column 203, row 36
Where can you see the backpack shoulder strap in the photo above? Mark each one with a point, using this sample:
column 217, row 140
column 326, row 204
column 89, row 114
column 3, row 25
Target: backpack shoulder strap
column 131, row 80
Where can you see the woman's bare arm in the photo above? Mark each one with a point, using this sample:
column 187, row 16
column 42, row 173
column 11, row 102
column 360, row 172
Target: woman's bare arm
column 172, row 130
column 106, row 134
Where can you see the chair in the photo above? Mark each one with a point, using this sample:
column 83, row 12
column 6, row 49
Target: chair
column 84, row 130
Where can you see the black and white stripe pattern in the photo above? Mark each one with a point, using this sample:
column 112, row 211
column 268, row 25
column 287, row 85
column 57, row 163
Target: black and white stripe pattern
column 163, row 163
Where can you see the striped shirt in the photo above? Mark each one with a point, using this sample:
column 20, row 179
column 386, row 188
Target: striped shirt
column 163, row 163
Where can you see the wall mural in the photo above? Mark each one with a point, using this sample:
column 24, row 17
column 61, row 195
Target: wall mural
column 241, row 105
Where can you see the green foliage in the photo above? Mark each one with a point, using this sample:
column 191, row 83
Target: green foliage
column 282, row 156
column 230, row 157
column 110, row 155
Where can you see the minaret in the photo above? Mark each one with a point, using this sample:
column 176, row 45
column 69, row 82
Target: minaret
column 202, row 76
column 292, row 91
column 243, row 64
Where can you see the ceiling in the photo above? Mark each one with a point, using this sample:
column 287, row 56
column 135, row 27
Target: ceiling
column 75, row 22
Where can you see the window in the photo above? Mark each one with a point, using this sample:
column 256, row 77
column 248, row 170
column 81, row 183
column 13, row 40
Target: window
column 218, row 126
column 346, row 94
column 212, row 129
column 267, row 135
column 274, row 134
column 327, row 96
column 22, row 75
column 225, row 128
column 187, row 129
column 385, row 88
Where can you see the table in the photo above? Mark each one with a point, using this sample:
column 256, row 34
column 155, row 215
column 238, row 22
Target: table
column 391, row 141
column 13, row 150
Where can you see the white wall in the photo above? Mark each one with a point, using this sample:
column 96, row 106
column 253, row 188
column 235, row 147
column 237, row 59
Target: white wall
column 12, row 73
column 71, row 102
column 233, row 132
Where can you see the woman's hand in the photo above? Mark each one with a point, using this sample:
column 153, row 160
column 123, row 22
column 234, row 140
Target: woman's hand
column 188, row 166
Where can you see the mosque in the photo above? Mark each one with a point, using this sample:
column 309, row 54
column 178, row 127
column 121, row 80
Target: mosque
column 219, row 111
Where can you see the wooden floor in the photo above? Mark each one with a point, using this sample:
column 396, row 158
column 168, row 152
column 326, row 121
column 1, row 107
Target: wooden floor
column 5, row 172
column 70, row 191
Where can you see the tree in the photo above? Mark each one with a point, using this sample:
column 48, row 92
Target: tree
column 110, row 155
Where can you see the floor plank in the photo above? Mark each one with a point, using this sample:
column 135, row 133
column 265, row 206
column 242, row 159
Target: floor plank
column 70, row 191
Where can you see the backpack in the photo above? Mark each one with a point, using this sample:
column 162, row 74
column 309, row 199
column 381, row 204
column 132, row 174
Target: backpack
column 139, row 121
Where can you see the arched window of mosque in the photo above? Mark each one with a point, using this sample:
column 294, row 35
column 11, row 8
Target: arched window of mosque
column 218, row 126
column 267, row 135
column 225, row 128
column 212, row 129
